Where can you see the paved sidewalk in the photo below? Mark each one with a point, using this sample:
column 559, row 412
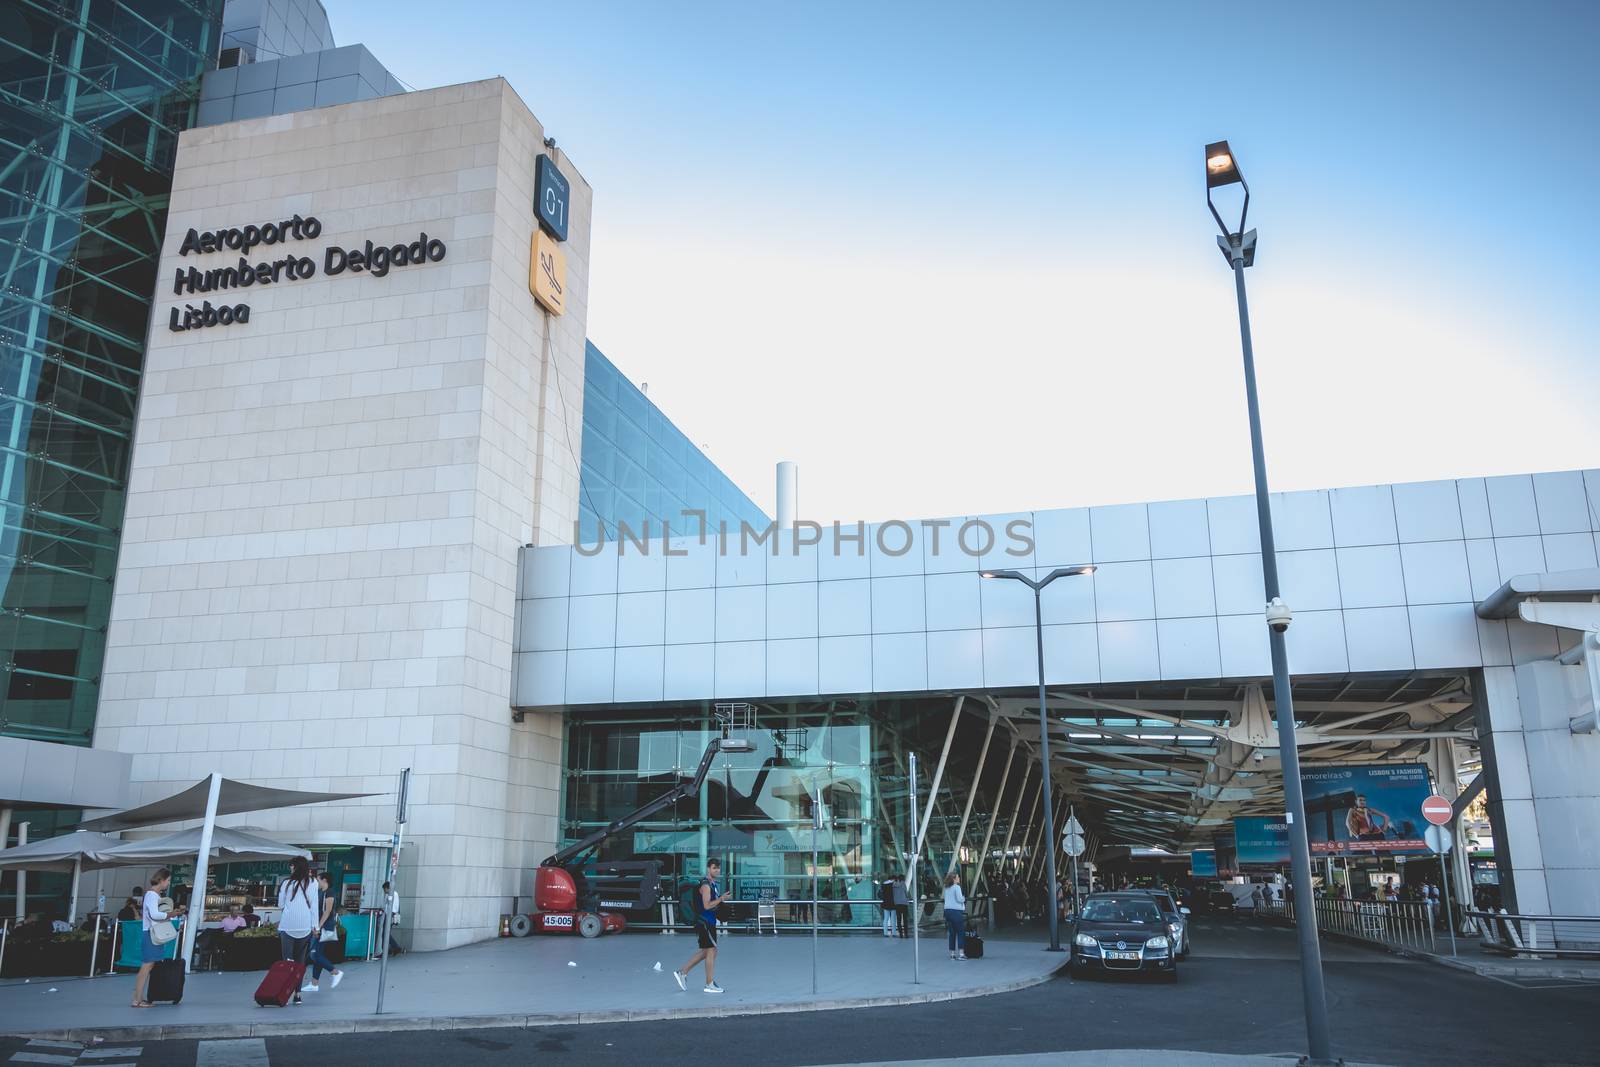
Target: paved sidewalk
column 1132, row 1057
column 538, row 981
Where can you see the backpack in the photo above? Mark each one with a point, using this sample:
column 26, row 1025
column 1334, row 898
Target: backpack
column 689, row 903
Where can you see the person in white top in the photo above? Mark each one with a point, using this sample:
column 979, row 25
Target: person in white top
column 150, row 914
column 298, row 902
column 955, row 915
column 391, row 901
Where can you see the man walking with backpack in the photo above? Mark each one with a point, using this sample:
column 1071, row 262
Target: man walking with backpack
column 707, row 899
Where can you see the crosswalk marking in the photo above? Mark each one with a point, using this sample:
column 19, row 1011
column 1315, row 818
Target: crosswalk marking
column 44, row 1057
column 237, row 1052
column 39, row 1043
column 106, row 1053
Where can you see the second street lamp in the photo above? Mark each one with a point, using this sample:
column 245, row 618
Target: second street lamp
column 1239, row 249
column 1050, row 844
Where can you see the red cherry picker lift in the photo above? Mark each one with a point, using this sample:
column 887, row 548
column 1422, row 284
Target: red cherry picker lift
column 590, row 898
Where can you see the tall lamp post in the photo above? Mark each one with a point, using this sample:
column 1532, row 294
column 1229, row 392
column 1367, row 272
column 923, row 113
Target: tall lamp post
column 1239, row 249
column 1050, row 844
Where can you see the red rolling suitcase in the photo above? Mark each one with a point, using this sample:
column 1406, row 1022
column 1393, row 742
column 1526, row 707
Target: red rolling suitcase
column 282, row 982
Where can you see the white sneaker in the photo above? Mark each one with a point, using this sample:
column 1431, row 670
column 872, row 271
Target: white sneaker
column 681, row 983
column 338, row 976
column 712, row 987
column 308, row 988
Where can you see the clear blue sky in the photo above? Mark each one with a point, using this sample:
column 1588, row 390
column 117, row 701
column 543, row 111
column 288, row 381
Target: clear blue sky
column 912, row 224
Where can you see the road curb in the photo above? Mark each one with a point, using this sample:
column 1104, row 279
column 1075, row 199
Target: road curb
column 1455, row 963
column 516, row 1021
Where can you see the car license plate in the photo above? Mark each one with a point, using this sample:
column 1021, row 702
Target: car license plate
column 1122, row 955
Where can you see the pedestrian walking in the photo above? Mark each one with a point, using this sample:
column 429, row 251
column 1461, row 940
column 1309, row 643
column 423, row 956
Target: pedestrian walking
column 707, row 897
column 391, row 901
column 327, row 931
column 955, row 915
column 886, row 903
column 151, row 952
column 297, row 914
column 902, row 908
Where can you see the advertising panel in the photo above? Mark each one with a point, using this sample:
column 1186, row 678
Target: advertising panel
column 1261, row 842
column 1203, row 863
column 1364, row 809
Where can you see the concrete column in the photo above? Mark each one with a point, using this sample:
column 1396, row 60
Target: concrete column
column 22, row 876
column 1543, row 794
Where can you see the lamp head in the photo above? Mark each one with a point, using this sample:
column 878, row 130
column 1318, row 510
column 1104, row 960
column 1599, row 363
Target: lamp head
column 1018, row 575
column 1221, row 167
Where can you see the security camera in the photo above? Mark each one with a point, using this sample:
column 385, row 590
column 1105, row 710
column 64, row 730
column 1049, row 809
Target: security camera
column 1278, row 615
column 1258, row 756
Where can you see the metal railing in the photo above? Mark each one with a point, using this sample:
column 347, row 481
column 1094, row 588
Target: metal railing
column 1538, row 936
column 1405, row 923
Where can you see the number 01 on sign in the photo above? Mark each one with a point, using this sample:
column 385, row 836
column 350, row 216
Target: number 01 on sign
column 547, row 273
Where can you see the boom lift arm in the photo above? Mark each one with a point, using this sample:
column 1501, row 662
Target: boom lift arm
column 665, row 800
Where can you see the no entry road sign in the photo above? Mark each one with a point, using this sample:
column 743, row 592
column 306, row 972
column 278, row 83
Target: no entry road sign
column 1436, row 809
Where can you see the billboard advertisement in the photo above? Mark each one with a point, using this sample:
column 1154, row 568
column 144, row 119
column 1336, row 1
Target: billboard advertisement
column 1203, row 863
column 1365, row 809
column 1261, row 842
column 1222, row 848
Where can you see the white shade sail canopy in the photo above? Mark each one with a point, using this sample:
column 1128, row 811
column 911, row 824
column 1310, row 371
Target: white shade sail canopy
column 227, row 846
column 62, row 853
column 235, row 798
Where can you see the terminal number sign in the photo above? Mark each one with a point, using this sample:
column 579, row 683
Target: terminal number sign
column 552, row 197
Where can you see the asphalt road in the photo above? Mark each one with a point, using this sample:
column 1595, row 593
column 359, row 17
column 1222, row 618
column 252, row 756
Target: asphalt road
column 1238, row 993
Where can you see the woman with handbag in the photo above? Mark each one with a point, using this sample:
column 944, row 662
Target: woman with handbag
column 158, row 933
column 327, row 931
column 297, row 914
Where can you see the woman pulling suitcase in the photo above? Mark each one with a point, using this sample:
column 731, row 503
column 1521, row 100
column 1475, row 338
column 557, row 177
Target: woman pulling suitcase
column 158, row 933
column 297, row 919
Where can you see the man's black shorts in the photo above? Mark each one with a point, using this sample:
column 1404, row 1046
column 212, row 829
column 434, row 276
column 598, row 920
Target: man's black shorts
column 707, row 932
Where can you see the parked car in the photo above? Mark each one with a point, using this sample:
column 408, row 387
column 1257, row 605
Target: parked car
column 1176, row 916
column 1123, row 932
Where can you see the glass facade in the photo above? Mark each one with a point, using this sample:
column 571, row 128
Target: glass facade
column 638, row 466
column 93, row 94
column 754, row 812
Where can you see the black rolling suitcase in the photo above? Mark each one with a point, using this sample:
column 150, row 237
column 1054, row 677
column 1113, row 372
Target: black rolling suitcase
column 974, row 948
column 166, row 981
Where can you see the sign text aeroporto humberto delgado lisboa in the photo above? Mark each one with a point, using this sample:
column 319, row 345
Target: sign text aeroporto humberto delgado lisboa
column 377, row 260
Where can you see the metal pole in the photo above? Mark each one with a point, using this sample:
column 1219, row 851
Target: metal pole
column 911, row 881
column 196, row 914
column 1072, row 821
column 972, row 794
column 938, row 772
column 1312, row 989
column 1449, row 913
column 1044, row 762
column 72, row 905
column 994, row 815
column 816, row 820
column 394, row 882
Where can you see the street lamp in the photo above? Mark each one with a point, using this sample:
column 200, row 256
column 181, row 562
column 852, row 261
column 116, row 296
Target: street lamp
column 1239, row 249
column 1044, row 725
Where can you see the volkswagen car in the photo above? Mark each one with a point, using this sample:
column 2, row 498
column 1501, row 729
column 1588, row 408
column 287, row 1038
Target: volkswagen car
column 1176, row 915
column 1123, row 932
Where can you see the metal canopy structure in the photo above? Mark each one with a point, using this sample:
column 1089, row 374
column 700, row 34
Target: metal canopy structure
column 1163, row 765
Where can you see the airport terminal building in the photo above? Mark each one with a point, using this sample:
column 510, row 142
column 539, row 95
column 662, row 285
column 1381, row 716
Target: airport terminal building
column 358, row 494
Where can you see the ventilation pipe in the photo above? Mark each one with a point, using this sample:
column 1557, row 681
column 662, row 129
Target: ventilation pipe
column 788, row 494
